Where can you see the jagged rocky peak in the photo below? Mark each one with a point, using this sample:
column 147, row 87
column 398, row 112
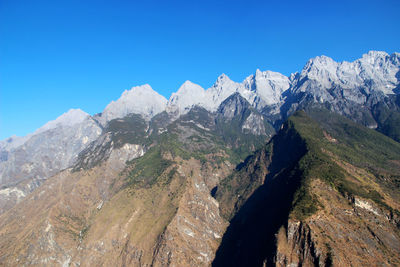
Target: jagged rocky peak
column 222, row 79
column 373, row 57
column 375, row 71
column 260, row 89
column 223, row 83
column 188, row 95
column 266, row 85
column 141, row 100
column 221, row 89
column 380, row 69
column 233, row 106
column 321, row 69
column 319, row 66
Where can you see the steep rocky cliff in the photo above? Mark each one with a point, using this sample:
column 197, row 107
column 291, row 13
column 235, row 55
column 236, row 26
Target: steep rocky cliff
column 319, row 194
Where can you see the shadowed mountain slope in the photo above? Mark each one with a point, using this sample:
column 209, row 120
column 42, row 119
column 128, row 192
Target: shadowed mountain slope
column 322, row 192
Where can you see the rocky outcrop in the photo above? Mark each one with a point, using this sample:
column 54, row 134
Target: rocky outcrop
column 192, row 237
column 236, row 112
column 295, row 247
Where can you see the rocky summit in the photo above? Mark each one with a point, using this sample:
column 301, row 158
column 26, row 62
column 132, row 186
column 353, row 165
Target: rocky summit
column 271, row 171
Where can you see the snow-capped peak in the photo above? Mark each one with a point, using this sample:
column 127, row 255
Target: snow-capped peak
column 140, row 100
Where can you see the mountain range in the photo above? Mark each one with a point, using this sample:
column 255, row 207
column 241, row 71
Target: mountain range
column 275, row 170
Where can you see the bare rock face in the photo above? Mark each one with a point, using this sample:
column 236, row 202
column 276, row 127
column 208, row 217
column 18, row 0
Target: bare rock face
column 254, row 124
column 296, row 247
column 193, row 235
column 233, row 106
column 236, row 109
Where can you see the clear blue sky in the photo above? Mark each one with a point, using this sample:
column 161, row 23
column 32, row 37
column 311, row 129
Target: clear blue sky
column 57, row 55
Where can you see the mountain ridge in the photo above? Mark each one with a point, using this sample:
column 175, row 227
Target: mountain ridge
column 375, row 58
